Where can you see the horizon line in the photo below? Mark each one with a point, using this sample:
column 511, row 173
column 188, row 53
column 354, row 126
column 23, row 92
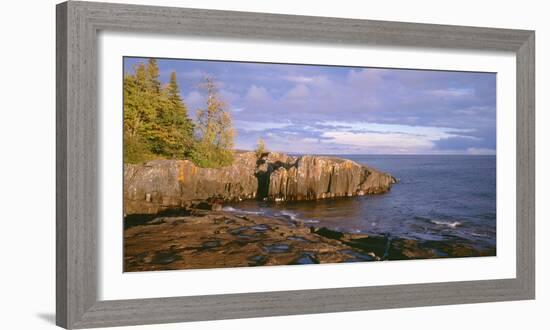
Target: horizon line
column 366, row 154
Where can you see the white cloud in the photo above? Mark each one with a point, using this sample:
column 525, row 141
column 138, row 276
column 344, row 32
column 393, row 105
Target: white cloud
column 391, row 142
column 194, row 100
column 429, row 132
column 370, row 137
column 451, row 92
column 299, row 92
column 299, row 79
column 474, row 110
column 316, row 80
column 256, row 126
column 366, row 77
column 257, row 94
column 229, row 96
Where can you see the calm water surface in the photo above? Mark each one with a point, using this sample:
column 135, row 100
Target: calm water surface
column 437, row 198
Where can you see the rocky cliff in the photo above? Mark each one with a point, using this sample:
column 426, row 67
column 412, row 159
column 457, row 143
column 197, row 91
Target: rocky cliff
column 162, row 184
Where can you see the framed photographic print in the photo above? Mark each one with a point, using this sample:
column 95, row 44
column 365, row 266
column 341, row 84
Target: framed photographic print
column 314, row 164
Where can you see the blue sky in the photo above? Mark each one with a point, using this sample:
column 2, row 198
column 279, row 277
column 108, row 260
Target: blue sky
column 346, row 110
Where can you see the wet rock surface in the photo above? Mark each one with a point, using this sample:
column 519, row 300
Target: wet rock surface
column 211, row 239
column 200, row 238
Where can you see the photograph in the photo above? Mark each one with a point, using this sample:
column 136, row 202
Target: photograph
column 244, row 165
column 238, row 164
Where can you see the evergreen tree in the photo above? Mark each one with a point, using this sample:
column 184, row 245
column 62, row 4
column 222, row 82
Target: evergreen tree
column 153, row 75
column 175, row 126
column 139, row 115
column 173, row 88
column 155, row 101
column 157, row 124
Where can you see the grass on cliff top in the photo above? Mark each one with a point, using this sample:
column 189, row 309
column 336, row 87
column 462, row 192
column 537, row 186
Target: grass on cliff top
column 138, row 153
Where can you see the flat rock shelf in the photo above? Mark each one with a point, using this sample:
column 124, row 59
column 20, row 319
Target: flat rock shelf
column 192, row 239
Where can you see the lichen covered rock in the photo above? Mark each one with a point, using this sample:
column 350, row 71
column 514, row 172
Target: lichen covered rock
column 316, row 177
column 162, row 184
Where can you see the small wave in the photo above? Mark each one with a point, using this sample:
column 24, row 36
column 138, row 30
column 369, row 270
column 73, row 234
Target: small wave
column 480, row 235
column 288, row 214
column 294, row 216
column 234, row 210
column 453, row 224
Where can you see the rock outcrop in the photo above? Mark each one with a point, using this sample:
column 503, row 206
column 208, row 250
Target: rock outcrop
column 162, row 184
column 316, row 177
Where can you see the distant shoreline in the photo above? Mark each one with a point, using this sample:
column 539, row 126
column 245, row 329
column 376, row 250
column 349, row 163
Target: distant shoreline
column 369, row 154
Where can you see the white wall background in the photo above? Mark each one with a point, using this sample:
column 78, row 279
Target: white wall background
column 27, row 166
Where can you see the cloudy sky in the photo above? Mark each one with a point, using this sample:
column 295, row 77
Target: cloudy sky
column 347, row 110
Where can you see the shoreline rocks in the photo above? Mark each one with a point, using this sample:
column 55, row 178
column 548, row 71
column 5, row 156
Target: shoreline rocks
column 157, row 185
column 198, row 238
column 209, row 239
column 320, row 177
column 174, row 217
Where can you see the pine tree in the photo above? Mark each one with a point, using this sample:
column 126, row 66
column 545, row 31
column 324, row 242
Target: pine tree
column 157, row 124
column 153, row 73
column 175, row 125
column 173, row 88
column 139, row 115
column 155, row 101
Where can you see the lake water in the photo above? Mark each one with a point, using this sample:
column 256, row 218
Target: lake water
column 437, row 198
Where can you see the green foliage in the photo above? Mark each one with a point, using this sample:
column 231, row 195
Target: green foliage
column 174, row 128
column 153, row 81
column 260, row 148
column 136, row 151
column 139, row 115
column 157, row 124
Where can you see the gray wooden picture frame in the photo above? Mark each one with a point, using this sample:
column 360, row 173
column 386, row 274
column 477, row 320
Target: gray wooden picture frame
column 78, row 24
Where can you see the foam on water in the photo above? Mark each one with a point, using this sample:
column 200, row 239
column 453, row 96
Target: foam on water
column 310, row 221
column 453, row 224
column 288, row 214
column 234, row 210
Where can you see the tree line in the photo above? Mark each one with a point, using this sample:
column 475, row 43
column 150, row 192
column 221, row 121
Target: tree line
column 157, row 123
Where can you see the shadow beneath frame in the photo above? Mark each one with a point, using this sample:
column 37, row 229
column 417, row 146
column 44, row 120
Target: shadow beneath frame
column 48, row 317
